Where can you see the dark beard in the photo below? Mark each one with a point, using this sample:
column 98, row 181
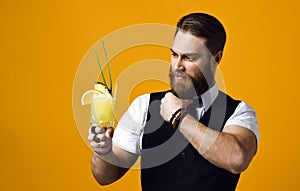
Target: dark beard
column 190, row 87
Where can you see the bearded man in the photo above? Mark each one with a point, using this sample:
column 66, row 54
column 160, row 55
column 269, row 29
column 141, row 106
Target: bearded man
column 192, row 137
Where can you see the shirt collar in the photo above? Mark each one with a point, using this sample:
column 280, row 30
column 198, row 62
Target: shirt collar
column 209, row 96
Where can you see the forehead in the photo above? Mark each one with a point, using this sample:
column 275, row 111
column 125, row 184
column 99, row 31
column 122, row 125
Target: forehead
column 185, row 42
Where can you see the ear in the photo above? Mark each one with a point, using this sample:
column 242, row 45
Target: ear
column 218, row 56
column 216, row 60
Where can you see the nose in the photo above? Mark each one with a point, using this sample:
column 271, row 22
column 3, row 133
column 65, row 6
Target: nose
column 178, row 64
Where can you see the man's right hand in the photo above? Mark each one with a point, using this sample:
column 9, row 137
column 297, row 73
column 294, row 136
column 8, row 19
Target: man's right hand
column 101, row 139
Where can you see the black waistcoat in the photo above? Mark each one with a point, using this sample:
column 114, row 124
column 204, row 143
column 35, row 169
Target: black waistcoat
column 170, row 162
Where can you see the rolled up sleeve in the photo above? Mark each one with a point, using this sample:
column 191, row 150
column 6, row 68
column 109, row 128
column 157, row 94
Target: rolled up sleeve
column 129, row 130
column 244, row 116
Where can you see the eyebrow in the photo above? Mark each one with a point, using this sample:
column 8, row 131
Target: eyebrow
column 185, row 54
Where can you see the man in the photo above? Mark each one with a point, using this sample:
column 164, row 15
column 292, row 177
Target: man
column 193, row 137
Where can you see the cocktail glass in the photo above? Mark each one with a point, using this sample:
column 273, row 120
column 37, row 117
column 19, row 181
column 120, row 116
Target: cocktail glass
column 103, row 110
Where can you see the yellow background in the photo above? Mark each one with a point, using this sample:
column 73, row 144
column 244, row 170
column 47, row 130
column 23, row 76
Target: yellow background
column 43, row 42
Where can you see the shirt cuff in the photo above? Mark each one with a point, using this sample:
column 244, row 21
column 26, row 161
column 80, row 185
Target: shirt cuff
column 126, row 140
column 246, row 125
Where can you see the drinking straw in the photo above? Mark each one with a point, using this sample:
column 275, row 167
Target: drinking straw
column 108, row 66
column 98, row 61
column 116, row 88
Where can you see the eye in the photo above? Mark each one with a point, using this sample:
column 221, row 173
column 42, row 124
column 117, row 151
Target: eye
column 174, row 54
column 188, row 58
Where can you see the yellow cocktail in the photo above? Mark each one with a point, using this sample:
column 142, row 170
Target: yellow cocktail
column 103, row 110
column 101, row 99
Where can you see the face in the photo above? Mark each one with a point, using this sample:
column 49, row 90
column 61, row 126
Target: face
column 192, row 66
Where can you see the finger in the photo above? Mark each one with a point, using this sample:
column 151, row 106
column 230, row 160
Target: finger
column 94, row 145
column 103, row 144
column 90, row 137
column 100, row 130
column 100, row 145
column 93, row 129
column 96, row 130
column 162, row 100
column 109, row 132
column 99, row 137
column 96, row 138
column 169, row 94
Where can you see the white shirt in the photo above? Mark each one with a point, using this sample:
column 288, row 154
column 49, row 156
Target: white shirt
column 129, row 131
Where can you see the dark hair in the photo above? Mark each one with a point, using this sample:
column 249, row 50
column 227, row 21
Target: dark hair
column 204, row 26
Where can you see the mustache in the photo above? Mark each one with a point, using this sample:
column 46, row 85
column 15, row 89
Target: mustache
column 180, row 73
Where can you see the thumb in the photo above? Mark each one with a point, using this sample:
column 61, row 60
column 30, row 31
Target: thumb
column 109, row 132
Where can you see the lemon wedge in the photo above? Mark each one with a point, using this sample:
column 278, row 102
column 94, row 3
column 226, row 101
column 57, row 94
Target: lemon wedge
column 87, row 96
